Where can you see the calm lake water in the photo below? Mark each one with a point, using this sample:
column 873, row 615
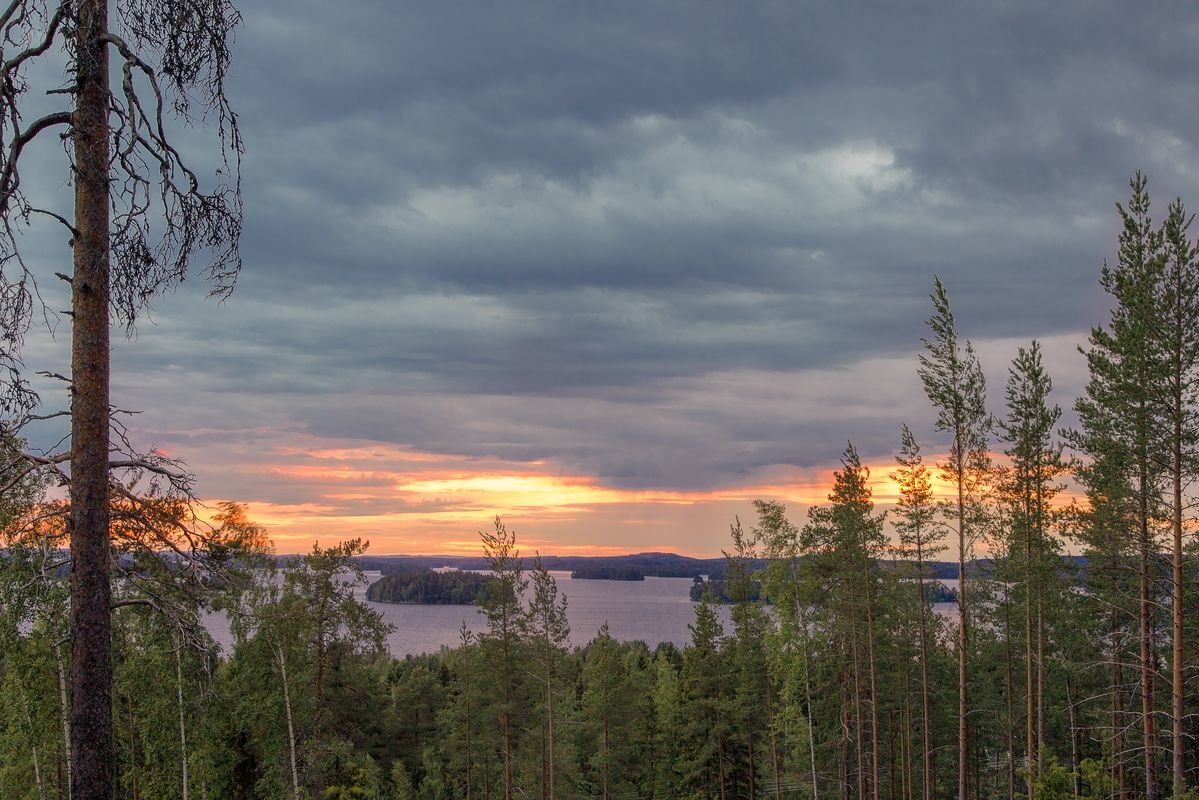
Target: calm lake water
column 654, row 610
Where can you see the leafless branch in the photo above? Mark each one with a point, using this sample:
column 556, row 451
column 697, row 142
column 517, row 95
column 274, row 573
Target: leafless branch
column 9, row 177
column 14, row 63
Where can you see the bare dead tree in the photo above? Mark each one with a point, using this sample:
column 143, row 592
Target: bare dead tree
column 141, row 222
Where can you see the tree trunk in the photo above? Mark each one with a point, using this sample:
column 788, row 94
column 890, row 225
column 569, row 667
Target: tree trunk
column 963, row 641
column 1040, row 684
column 64, row 713
column 906, row 746
column 182, row 725
column 470, row 754
column 291, row 729
column 926, row 788
column 506, row 717
column 859, row 744
column 507, row 726
column 135, row 790
column 753, row 778
column 1117, row 697
column 1010, row 692
column 37, row 775
column 1039, row 739
column 1146, row 640
column 720, row 766
column 1177, row 686
column 549, row 715
column 1073, row 739
column 872, row 657
column 893, row 763
column 92, row 749
column 606, row 759
column 807, row 680
column 1030, row 708
column 846, row 737
column 37, row 764
column 774, row 743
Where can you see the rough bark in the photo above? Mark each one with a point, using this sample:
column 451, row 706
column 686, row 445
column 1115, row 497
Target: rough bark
column 92, row 749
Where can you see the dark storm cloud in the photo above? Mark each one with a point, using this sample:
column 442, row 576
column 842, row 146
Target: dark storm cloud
column 666, row 243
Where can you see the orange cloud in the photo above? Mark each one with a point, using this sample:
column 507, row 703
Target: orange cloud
column 405, row 501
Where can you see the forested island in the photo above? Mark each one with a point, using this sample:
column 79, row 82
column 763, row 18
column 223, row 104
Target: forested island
column 607, row 572
column 414, row 584
column 714, row 590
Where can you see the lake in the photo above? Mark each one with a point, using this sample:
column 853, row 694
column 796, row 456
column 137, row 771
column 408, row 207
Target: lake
column 654, row 610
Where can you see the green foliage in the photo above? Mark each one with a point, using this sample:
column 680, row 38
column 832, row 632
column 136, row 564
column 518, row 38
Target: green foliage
column 1053, row 781
column 401, row 783
column 22, row 482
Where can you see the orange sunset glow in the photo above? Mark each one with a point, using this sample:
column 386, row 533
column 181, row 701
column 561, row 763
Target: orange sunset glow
column 406, row 501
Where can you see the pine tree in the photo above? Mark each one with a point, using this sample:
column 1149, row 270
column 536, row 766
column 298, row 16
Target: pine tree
column 780, row 541
column 706, row 706
column 1176, row 401
column 610, row 743
column 507, row 632
column 921, row 537
column 1116, row 416
column 550, row 634
column 1028, row 487
column 847, row 540
column 754, row 702
column 954, row 383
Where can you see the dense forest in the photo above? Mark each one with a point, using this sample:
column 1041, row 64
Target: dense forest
column 834, row 680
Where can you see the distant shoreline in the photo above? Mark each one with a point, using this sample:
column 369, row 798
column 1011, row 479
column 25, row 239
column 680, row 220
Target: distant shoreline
column 650, row 565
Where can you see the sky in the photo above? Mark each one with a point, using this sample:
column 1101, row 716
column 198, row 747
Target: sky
column 614, row 270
